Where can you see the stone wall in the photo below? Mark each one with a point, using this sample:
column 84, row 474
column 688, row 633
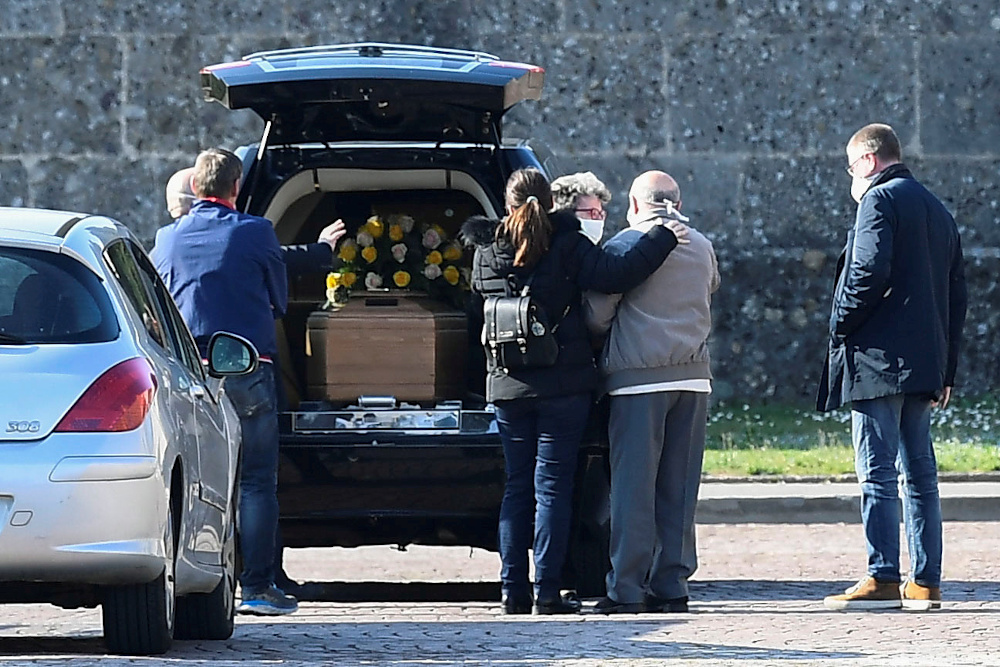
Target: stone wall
column 747, row 102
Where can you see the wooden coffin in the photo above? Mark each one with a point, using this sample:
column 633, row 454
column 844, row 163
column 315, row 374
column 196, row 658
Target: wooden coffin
column 410, row 347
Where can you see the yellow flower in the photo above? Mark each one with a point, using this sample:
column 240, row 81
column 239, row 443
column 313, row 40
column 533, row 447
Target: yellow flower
column 451, row 274
column 370, row 254
column 452, row 252
column 349, row 279
column 334, row 280
column 434, row 257
column 348, row 252
column 375, row 226
column 396, row 232
column 401, row 278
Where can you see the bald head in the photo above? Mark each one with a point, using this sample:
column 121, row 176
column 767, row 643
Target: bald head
column 655, row 187
column 179, row 193
column 652, row 188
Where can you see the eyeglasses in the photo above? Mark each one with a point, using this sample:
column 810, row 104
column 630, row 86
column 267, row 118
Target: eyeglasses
column 850, row 167
column 593, row 213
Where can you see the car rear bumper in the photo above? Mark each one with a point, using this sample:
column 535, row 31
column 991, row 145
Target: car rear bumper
column 86, row 520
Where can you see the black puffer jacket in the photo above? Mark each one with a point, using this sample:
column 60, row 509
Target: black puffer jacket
column 571, row 265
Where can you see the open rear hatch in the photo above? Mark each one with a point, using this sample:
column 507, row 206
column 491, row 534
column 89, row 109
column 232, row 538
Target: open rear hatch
column 374, row 92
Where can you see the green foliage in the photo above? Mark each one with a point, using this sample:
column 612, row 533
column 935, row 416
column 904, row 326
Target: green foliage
column 749, row 440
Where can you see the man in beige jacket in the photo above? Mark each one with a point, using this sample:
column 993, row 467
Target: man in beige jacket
column 655, row 365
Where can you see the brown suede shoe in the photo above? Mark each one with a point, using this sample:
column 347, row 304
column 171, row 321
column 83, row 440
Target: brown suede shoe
column 866, row 594
column 920, row 598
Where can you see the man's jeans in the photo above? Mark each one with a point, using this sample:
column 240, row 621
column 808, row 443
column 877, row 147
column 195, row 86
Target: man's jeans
column 892, row 437
column 541, row 440
column 255, row 399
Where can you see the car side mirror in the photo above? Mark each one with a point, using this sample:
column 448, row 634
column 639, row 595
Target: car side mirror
column 229, row 354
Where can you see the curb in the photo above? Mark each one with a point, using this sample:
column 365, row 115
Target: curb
column 992, row 476
column 800, row 502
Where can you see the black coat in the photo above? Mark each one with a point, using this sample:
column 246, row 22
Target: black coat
column 900, row 297
column 571, row 265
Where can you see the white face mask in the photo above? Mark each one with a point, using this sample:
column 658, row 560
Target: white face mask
column 632, row 216
column 859, row 186
column 592, row 229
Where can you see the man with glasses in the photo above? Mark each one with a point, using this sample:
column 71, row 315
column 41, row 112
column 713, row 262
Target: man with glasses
column 655, row 367
column 895, row 330
column 585, row 195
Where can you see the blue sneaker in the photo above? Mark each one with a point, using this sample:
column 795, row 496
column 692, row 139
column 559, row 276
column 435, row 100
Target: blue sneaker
column 268, row 602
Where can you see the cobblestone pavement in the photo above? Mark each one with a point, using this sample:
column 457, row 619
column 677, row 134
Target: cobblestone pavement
column 756, row 601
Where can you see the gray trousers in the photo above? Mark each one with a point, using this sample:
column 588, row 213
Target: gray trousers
column 657, row 446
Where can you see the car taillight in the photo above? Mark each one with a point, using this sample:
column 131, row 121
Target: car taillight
column 117, row 401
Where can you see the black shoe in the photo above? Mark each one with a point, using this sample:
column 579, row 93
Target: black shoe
column 607, row 605
column 516, row 604
column 570, row 595
column 563, row 604
column 667, row 605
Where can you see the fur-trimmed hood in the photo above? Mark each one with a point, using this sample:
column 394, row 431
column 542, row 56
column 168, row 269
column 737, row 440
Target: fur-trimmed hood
column 480, row 230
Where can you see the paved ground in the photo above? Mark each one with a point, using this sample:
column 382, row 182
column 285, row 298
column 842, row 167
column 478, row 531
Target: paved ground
column 756, row 602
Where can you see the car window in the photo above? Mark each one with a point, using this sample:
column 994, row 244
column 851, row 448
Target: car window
column 128, row 275
column 185, row 349
column 46, row 297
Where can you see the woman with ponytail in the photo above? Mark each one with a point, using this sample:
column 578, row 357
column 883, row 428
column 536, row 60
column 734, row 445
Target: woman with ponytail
column 542, row 412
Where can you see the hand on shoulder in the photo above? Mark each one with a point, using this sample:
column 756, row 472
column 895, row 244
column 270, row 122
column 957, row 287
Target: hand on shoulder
column 679, row 229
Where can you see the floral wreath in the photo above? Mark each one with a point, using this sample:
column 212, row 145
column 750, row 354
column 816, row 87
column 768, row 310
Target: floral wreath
column 397, row 253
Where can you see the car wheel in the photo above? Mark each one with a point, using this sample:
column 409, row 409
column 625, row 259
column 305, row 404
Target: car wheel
column 210, row 615
column 139, row 618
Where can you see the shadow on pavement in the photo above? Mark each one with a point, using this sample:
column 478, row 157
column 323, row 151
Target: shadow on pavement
column 701, row 591
column 380, row 591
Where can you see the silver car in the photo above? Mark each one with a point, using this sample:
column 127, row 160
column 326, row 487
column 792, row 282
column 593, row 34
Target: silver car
column 118, row 453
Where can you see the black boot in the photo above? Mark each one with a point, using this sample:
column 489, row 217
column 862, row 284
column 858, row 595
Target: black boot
column 560, row 604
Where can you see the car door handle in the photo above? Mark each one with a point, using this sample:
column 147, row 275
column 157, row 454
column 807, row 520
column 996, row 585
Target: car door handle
column 197, row 391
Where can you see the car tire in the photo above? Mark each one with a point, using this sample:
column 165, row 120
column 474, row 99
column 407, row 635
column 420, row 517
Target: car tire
column 139, row 618
column 210, row 615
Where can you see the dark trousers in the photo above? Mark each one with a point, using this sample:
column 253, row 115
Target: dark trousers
column 657, row 446
column 541, row 439
column 255, row 399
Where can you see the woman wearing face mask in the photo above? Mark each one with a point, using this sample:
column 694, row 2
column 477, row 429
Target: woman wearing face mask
column 584, row 195
column 542, row 411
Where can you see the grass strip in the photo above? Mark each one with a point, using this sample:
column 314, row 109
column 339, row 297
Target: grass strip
column 747, row 440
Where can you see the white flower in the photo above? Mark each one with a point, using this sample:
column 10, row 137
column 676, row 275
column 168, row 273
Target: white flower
column 373, row 280
column 406, row 222
column 365, row 239
column 431, row 239
column 398, row 252
column 432, row 271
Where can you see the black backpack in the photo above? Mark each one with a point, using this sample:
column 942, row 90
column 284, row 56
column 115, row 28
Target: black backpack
column 516, row 329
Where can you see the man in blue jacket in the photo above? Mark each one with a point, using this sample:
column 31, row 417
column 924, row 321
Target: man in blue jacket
column 226, row 272
column 895, row 330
